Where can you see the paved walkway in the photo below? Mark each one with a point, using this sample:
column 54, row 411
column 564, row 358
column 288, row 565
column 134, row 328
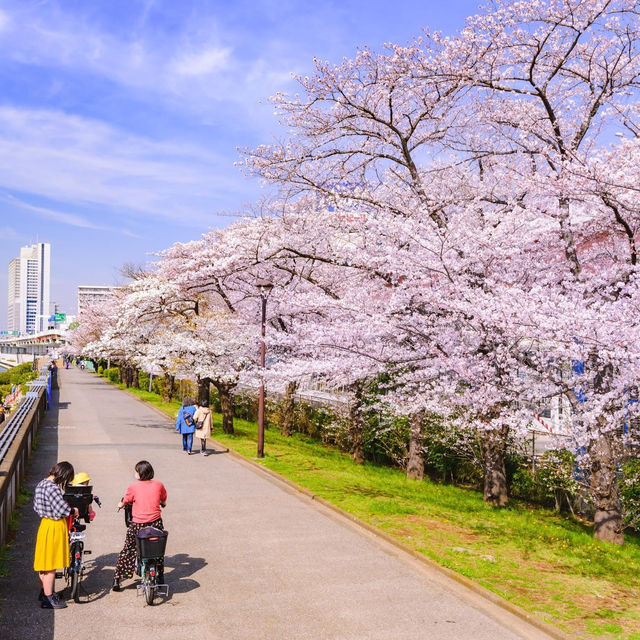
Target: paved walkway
column 246, row 558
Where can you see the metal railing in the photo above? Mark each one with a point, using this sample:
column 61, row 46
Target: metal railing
column 10, row 431
column 16, row 441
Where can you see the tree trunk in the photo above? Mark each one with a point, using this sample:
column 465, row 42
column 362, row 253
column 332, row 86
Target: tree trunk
column 607, row 521
column 203, row 390
column 168, row 389
column 288, row 407
column 120, row 373
column 226, row 405
column 135, row 377
column 171, row 386
column 356, row 425
column 494, row 444
column 415, row 464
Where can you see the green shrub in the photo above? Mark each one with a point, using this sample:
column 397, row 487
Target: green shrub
column 452, row 454
column 159, row 385
column 245, row 406
column 312, row 421
column 630, row 493
column 143, row 380
column 18, row 375
column 111, row 374
column 214, row 400
column 525, row 485
column 553, row 483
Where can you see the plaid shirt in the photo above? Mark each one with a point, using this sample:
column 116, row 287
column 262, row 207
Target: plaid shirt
column 48, row 501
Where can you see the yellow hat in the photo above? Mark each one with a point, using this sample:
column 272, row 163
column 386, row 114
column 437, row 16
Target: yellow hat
column 81, row 477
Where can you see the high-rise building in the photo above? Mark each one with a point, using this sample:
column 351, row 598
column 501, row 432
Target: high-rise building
column 29, row 282
column 89, row 295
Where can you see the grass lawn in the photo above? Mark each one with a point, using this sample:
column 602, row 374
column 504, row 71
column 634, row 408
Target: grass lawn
column 547, row 564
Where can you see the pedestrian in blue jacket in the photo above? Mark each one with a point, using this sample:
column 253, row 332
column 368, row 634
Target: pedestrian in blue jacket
column 185, row 424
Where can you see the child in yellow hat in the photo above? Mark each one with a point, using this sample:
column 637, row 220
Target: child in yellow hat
column 83, row 478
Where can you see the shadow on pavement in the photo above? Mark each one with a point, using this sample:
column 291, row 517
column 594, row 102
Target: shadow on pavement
column 178, row 568
column 149, row 423
column 215, row 452
column 97, row 582
column 97, row 579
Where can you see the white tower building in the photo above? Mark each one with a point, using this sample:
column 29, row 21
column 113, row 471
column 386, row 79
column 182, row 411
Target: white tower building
column 89, row 295
column 29, row 286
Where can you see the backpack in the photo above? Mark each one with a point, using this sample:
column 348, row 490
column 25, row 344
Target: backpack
column 188, row 419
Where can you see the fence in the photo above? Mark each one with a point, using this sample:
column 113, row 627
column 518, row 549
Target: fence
column 16, row 441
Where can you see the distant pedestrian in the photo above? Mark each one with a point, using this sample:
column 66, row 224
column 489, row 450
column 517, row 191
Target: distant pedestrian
column 52, row 542
column 2, row 416
column 202, row 417
column 185, row 424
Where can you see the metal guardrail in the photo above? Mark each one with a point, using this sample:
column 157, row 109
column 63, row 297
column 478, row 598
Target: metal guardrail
column 16, row 441
column 8, row 434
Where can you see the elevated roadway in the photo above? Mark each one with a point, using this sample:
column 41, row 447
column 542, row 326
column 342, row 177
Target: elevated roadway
column 19, row 349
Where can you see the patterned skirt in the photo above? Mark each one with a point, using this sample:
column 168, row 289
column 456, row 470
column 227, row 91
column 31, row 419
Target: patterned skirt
column 127, row 559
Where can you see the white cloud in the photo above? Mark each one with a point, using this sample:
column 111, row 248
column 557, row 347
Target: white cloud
column 62, row 217
column 4, row 20
column 87, row 163
column 174, row 68
column 211, row 60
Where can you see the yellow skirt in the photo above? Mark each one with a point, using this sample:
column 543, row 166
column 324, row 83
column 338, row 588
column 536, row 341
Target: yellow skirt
column 52, row 545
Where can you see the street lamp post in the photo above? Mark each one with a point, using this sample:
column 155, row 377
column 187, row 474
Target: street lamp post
column 265, row 288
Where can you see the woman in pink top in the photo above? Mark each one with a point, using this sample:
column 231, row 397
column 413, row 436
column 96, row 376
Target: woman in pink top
column 147, row 496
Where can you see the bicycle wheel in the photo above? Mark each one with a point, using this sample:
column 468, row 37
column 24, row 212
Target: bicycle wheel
column 149, row 581
column 76, row 570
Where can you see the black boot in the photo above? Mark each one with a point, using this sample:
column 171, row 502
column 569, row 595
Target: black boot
column 116, row 585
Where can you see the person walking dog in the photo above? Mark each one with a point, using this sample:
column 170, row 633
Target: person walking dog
column 52, row 541
column 202, row 418
column 185, row 424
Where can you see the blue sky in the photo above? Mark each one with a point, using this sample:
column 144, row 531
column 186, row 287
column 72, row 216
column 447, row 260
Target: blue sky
column 120, row 119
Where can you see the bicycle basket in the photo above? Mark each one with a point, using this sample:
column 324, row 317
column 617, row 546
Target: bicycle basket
column 151, row 542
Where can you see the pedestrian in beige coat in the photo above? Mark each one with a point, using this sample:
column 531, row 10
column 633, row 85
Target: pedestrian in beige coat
column 202, row 418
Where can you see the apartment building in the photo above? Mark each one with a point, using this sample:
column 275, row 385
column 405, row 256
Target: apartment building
column 29, row 289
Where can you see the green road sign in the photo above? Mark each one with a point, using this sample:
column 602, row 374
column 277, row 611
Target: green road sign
column 61, row 317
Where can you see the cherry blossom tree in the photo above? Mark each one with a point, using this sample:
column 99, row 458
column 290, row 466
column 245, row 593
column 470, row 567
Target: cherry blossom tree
column 494, row 213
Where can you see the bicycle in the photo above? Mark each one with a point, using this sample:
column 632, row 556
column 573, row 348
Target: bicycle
column 150, row 547
column 81, row 498
column 151, row 544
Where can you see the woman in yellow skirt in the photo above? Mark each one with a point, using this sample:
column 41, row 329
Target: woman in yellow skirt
column 52, row 543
